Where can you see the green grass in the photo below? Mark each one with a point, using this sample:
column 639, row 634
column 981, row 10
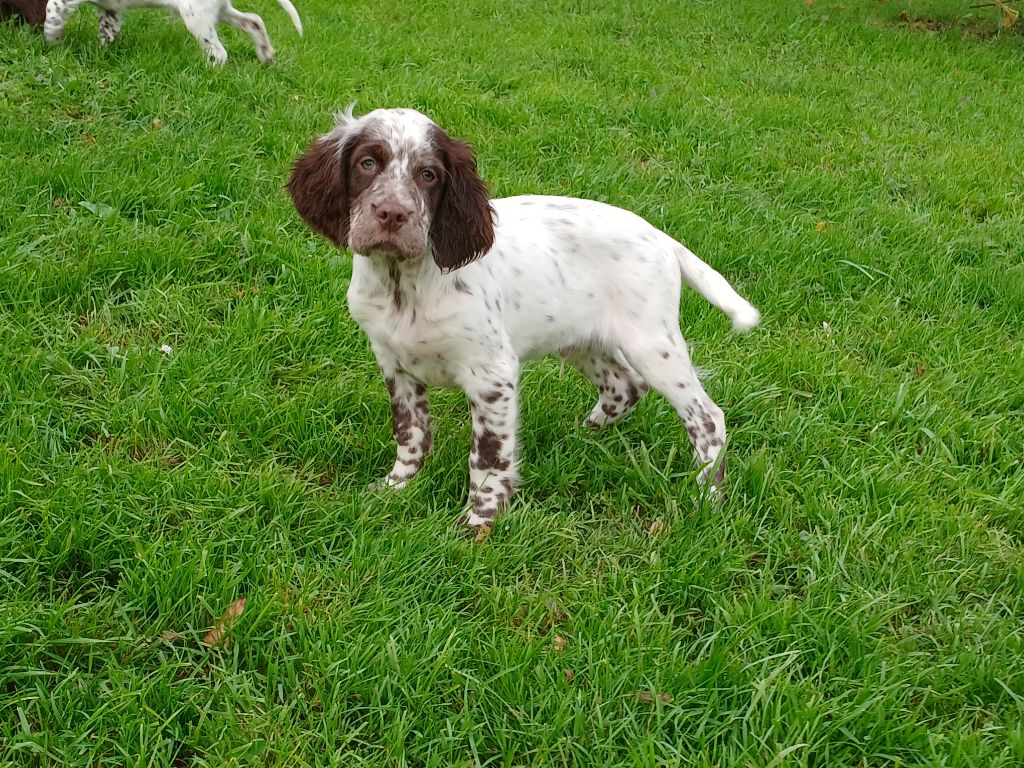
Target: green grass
column 857, row 599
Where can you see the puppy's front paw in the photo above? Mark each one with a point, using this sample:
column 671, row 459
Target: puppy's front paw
column 388, row 483
column 474, row 527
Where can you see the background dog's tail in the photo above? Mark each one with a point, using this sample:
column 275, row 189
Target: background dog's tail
column 290, row 10
column 716, row 289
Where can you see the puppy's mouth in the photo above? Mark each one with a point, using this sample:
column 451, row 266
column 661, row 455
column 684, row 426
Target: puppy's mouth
column 382, row 248
column 399, row 245
column 405, row 242
column 389, row 250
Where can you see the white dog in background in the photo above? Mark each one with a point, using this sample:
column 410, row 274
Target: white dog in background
column 200, row 17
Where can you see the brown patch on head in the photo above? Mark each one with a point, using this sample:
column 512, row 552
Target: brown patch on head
column 462, row 228
column 319, row 187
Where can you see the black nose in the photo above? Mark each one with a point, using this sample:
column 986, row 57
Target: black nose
column 391, row 216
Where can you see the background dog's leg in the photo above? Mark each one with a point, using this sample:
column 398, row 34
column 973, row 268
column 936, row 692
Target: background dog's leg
column 57, row 14
column 203, row 27
column 410, row 420
column 110, row 25
column 493, row 400
column 667, row 367
column 620, row 387
column 253, row 26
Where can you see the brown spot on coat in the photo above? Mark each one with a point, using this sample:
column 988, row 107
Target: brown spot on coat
column 486, row 449
column 396, row 285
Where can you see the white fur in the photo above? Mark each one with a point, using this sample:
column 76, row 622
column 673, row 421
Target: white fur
column 200, row 17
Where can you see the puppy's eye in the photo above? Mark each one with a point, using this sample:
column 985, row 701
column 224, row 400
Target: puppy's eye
column 368, row 164
column 428, row 175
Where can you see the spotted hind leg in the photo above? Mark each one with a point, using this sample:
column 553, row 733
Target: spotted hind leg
column 619, row 386
column 253, row 26
column 667, row 367
column 110, row 25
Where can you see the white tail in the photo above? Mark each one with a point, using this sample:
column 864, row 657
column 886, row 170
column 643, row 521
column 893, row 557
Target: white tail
column 716, row 289
column 290, row 10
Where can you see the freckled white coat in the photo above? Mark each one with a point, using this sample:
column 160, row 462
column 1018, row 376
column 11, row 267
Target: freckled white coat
column 563, row 274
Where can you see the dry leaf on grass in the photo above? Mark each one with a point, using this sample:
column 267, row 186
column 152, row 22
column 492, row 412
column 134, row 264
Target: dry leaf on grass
column 555, row 611
column 558, row 644
column 170, row 637
column 821, row 226
column 657, row 528
column 649, row 697
column 157, row 123
column 569, row 675
column 216, row 637
column 1009, row 15
column 920, row 22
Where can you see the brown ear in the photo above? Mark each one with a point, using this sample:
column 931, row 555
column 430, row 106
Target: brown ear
column 463, row 228
column 319, row 188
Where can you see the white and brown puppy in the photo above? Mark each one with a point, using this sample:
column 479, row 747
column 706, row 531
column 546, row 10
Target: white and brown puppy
column 456, row 289
column 200, row 17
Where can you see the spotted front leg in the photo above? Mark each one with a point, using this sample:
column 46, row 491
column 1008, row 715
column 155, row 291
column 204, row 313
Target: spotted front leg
column 410, row 418
column 110, row 25
column 57, row 14
column 492, row 459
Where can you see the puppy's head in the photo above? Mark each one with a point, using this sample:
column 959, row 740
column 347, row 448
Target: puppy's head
column 393, row 184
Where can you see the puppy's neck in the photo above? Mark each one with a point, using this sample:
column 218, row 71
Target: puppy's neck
column 398, row 280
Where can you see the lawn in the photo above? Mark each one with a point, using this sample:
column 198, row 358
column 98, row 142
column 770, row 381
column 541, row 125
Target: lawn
column 188, row 415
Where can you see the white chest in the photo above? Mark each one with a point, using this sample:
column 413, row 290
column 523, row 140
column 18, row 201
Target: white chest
column 410, row 336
